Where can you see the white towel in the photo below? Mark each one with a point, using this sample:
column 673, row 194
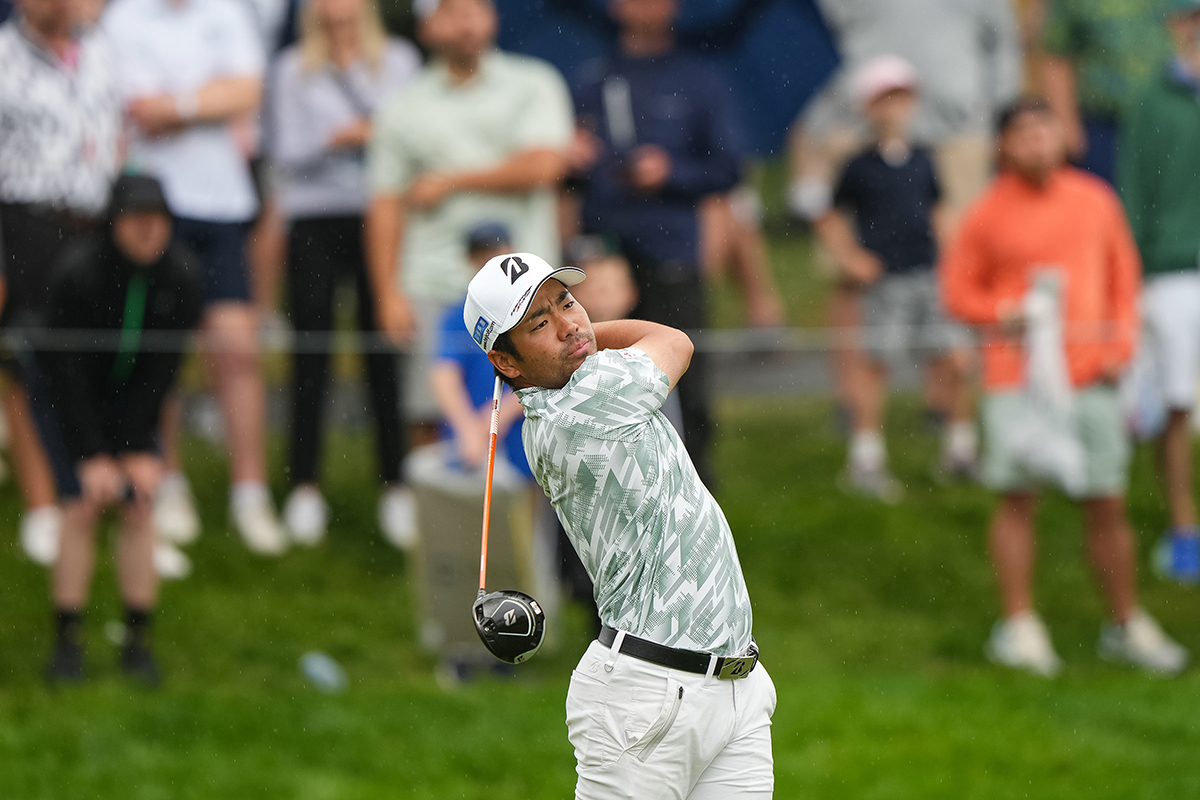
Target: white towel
column 1044, row 438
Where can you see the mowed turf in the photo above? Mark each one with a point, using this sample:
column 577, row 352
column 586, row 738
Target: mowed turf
column 871, row 621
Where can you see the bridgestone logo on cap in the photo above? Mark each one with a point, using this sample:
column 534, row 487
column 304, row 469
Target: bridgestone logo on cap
column 514, row 268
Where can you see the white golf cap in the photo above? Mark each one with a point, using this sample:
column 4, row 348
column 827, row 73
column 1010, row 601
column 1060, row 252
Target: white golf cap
column 499, row 295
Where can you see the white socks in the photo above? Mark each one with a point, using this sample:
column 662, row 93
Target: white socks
column 961, row 443
column 245, row 494
column 867, row 451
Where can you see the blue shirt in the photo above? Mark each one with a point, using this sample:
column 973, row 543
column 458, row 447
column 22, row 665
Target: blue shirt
column 893, row 206
column 479, row 376
column 678, row 103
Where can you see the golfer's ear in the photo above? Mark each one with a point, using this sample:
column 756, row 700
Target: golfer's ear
column 504, row 363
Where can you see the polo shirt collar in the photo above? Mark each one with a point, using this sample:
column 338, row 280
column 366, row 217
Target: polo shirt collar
column 37, row 45
column 487, row 64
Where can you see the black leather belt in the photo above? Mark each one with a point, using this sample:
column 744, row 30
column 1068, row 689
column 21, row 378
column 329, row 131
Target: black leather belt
column 727, row 667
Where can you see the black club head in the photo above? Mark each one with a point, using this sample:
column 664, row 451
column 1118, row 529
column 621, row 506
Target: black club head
column 510, row 624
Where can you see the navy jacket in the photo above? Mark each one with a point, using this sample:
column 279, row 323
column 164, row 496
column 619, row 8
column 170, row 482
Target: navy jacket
column 680, row 104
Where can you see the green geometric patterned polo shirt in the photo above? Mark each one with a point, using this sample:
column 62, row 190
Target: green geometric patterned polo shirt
column 653, row 539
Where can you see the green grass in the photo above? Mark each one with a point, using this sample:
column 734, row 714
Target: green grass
column 871, row 621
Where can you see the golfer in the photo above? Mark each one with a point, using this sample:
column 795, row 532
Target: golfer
column 670, row 701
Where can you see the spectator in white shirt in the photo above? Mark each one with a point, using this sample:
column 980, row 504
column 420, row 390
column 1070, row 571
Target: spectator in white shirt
column 188, row 70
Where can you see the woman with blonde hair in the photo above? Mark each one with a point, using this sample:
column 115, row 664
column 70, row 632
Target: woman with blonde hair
column 324, row 92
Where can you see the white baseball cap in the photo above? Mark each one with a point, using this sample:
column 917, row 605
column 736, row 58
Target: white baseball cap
column 499, row 295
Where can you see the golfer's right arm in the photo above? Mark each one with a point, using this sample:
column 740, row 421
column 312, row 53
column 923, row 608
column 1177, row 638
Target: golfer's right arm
column 670, row 349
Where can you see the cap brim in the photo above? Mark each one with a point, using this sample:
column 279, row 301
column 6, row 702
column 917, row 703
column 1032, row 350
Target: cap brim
column 567, row 276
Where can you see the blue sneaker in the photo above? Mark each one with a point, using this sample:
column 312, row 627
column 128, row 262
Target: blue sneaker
column 1178, row 556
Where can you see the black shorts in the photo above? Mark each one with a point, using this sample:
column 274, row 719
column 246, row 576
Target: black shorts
column 32, row 241
column 221, row 250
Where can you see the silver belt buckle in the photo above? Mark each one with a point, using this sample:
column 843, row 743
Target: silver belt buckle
column 737, row 667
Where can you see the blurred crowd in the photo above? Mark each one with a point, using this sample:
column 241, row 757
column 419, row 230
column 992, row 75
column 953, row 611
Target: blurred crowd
column 1006, row 191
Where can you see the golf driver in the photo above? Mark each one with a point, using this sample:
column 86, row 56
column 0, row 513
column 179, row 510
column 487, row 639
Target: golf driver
column 510, row 624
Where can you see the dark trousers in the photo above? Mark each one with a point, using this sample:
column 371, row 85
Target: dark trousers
column 32, row 241
column 672, row 293
column 321, row 252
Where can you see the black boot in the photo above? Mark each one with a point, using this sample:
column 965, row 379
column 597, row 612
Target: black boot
column 66, row 661
column 136, row 659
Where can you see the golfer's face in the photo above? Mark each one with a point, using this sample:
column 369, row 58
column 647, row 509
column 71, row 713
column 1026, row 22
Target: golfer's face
column 554, row 338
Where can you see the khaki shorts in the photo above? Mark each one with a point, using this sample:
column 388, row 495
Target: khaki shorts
column 1101, row 429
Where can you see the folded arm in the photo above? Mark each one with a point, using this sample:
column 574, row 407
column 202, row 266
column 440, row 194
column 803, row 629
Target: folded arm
column 670, row 349
column 523, row 172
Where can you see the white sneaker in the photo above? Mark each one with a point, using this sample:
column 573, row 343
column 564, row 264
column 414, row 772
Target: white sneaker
column 256, row 522
column 1142, row 643
column 175, row 515
column 171, row 563
column 878, row 484
column 41, row 529
column 306, row 515
column 398, row 517
column 1022, row 642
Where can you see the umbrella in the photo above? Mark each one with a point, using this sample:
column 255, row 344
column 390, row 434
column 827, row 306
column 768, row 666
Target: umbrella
column 775, row 53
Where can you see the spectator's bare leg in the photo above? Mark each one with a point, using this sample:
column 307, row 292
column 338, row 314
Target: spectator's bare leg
column 135, row 557
column 29, row 457
column 716, row 236
column 1012, row 546
column 231, row 330
column 958, row 370
column 76, row 555
column 728, row 239
column 843, row 320
column 1110, row 550
column 266, row 252
column 1175, row 453
column 870, row 393
column 960, row 442
column 939, row 395
column 169, row 427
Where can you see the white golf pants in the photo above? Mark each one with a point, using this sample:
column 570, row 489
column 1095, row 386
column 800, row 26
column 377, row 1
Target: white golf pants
column 646, row 732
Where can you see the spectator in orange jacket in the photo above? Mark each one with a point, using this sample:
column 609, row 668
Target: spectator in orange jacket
column 1040, row 215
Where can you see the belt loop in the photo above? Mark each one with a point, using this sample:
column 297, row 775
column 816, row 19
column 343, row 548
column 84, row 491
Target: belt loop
column 712, row 667
column 614, row 651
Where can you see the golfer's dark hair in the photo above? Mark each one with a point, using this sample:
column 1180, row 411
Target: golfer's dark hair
column 1018, row 108
column 504, row 344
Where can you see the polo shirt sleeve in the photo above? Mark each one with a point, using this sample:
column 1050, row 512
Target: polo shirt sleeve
column 239, row 51
column 965, row 274
column 389, row 165
column 845, row 194
column 547, row 119
column 616, row 389
column 935, row 182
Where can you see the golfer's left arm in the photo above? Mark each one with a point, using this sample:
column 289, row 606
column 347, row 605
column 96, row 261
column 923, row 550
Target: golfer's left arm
column 670, row 349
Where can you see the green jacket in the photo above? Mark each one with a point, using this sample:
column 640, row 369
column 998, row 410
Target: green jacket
column 1159, row 173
